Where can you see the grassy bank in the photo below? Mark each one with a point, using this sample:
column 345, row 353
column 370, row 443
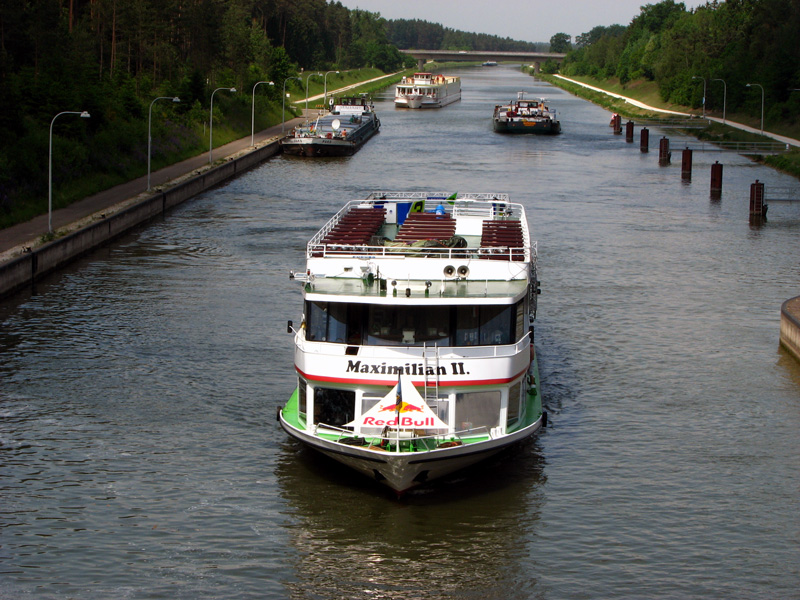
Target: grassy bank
column 647, row 93
column 89, row 163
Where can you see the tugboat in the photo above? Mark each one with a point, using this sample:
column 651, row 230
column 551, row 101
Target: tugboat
column 349, row 124
column 526, row 116
column 415, row 354
column 426, row 90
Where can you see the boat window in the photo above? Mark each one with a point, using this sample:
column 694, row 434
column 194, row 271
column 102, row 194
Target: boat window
column 301, row 397
column 519, row 321
column 489, row 325
column 477, row 410
column 514, row 404
column 496, row 324
column 387, row 325
column 337, row 322
column 334, row 407
column 317, row 321
column 408, row 325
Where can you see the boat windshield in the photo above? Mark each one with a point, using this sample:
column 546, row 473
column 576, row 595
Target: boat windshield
column 390, row 325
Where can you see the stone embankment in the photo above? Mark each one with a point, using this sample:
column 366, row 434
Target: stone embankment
column 790, row 326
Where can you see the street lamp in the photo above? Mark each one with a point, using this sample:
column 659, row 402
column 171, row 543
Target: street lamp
column 325, row 96
column 762, row 103
column 84, row 115
column 150, row 139
column 283, row 106
column 310, row 75
column 704, row 93
column 724, row 98
column 253, row 118
column 211, row 124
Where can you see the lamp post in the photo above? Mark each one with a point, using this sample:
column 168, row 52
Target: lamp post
column 149, row 138
column 762, row 103
column 283, row 107
column 253, row 118
column 325, row 96
column 211, row 124
column 724, row 98
column 704, row 93
column 84, row 115
column 310, row 75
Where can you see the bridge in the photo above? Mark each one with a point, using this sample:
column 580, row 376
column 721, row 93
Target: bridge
column 531, row 58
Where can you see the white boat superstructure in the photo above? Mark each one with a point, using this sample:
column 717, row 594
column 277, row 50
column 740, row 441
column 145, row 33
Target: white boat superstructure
column 426, row 90
column 415, row 355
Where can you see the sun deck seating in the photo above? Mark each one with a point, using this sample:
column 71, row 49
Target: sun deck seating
column 356, row 227
column 426, row 226
column 502, row 240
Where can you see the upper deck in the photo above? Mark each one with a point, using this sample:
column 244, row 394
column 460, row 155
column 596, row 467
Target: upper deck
column 425, row 236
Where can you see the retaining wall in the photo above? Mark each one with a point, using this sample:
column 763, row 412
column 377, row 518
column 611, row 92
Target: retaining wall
column 25, row 270
column 790, row 326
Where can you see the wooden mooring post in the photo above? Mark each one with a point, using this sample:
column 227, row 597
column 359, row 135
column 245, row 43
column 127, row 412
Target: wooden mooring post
column 716, row 180
column 686, row 164
column 616, row 124
column 644, row 141
column 629, row 132
column 664, row 155
column 758, row 209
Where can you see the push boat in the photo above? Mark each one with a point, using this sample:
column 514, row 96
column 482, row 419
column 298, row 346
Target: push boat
column 526, row 116
column 349, row 124
column 415, row 354
column 426, row 90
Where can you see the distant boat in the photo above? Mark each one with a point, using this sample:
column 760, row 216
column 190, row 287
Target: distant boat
column 525, row 116
column 490, row 63
column 425, row 90
column 351, row 122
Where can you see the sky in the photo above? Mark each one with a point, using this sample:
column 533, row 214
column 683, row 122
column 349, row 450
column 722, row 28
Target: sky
column 526, row 20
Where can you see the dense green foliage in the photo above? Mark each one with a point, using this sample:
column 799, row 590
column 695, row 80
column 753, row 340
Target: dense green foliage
column 419, row 34
column 727, row 44
column 113, row 57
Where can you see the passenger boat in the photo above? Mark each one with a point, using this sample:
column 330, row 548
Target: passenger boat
column 349, row 124
column 426, row 90
column 415, row 354
column 525, row 116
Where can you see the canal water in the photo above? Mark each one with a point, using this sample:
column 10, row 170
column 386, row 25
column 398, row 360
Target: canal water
column 140, row 455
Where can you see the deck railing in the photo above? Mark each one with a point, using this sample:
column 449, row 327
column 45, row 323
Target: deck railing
column 403, row 441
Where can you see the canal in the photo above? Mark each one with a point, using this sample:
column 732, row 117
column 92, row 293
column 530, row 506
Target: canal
column 140, row 456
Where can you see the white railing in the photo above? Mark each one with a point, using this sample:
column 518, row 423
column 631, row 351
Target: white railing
column 404, row 353
column 399, row 441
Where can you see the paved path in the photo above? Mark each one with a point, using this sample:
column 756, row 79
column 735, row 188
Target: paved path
column 14, row 240
column 774, row 136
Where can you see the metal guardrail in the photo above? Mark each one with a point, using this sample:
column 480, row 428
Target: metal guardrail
column 747, row 148
column 693, row 123
column 781, row 194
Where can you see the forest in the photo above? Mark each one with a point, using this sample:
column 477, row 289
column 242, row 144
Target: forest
column 112, row 58
column 720, row 46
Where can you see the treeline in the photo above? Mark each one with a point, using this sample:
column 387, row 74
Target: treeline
column 729, row 44
column 113, row 57
column 417, row 34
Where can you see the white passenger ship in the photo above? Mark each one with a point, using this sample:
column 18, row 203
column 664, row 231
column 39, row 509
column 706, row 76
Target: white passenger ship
column 415, row 355
column 426, row 90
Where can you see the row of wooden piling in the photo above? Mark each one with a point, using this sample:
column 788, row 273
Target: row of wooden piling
column 758, row 208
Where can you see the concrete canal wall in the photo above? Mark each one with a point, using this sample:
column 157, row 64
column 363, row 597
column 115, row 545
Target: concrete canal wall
column 31, row 266
column 790, row 326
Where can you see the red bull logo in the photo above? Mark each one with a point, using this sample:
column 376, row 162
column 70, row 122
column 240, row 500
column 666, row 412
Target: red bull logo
column 401, row 407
